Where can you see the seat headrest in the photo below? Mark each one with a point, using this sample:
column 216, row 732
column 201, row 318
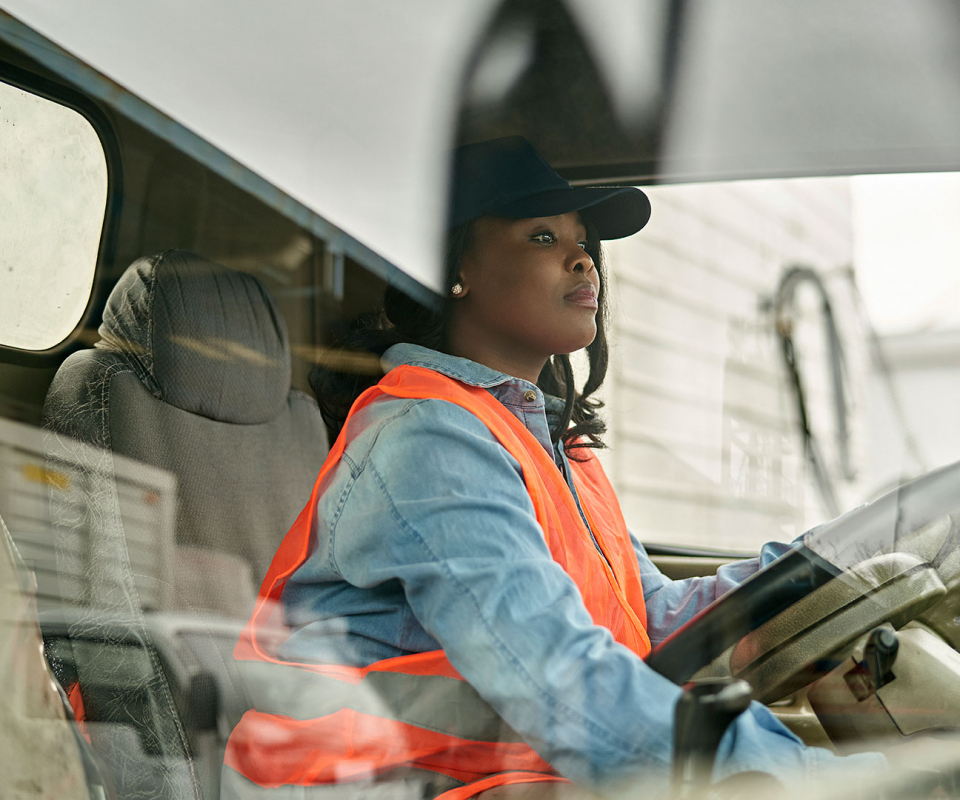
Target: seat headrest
column 201, row 337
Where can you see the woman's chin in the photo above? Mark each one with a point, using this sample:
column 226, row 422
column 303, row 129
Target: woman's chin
column 572, row 344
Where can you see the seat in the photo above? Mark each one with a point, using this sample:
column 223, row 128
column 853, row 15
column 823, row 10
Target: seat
column 191, row 377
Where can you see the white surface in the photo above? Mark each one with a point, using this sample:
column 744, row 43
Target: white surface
column 346, row 106
column 908, row 250
column 43, row 477
column 704, row 445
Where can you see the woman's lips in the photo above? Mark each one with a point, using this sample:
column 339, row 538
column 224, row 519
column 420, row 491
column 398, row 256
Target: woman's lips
column 585, row 296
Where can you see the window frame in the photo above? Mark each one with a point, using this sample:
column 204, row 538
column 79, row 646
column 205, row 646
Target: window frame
column 70, row 98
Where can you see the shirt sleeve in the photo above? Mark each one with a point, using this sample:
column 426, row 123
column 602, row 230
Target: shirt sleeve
column 671, row 603
column 440, row 506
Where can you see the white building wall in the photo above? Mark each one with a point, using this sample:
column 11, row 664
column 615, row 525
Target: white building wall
column 705, row 448
column 924, row 368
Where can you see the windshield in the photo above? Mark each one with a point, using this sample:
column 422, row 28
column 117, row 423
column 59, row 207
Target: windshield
column 628, row 462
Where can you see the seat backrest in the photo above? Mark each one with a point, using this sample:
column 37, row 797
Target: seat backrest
column 192, row 374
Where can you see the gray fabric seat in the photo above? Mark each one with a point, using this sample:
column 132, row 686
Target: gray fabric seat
column 192, row 376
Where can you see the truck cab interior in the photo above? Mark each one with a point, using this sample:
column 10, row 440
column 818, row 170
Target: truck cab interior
column 164, row 302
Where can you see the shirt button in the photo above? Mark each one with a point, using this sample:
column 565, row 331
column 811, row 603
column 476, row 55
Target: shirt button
column 529, row 395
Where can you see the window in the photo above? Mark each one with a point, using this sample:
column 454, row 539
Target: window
column 53, row 194
column 707, row 447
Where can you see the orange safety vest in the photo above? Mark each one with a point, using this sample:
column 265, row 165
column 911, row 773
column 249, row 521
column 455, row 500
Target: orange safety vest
column 317, row 724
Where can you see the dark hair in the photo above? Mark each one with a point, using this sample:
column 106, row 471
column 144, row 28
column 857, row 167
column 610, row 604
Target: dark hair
column 339, row 380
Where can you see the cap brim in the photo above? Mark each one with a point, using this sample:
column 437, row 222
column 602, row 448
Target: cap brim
column 615, row 212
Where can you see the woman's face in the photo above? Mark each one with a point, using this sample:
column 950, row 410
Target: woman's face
column 530, row 292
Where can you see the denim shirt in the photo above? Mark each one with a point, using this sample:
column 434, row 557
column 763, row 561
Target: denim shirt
column 425, row 537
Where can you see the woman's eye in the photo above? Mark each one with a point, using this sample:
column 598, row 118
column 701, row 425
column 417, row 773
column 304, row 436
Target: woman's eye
column 544, row 238
column 583, row 245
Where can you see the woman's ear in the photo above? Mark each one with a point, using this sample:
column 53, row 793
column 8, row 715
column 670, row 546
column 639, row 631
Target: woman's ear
column 465, row 263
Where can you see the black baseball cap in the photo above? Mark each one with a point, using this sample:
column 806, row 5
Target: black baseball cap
column 507, row 177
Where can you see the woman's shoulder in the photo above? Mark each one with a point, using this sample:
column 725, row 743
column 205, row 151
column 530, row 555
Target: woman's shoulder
column 390, row 419
column 390, row 430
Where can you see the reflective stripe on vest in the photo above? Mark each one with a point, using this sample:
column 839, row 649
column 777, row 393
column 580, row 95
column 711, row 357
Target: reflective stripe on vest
column 433, row 702
column 321, row 724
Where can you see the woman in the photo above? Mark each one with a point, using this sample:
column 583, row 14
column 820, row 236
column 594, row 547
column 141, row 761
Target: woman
column 466, row 614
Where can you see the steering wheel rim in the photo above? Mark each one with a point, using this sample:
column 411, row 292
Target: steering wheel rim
column 728, row 619
column 879, row 527
column 798, row 618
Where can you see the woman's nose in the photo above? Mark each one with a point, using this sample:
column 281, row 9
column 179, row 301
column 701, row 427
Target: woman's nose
column 581, row 261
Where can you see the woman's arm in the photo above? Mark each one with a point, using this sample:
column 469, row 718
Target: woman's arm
column 438, row 505
column 671, row 603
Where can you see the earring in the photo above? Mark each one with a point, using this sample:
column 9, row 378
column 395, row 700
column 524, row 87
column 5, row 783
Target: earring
column 457, row 288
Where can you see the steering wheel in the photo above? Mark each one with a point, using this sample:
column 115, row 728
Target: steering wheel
column 779, row 628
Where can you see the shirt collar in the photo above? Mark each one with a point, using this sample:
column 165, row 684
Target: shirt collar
column 461, row 369
column 499, row 384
